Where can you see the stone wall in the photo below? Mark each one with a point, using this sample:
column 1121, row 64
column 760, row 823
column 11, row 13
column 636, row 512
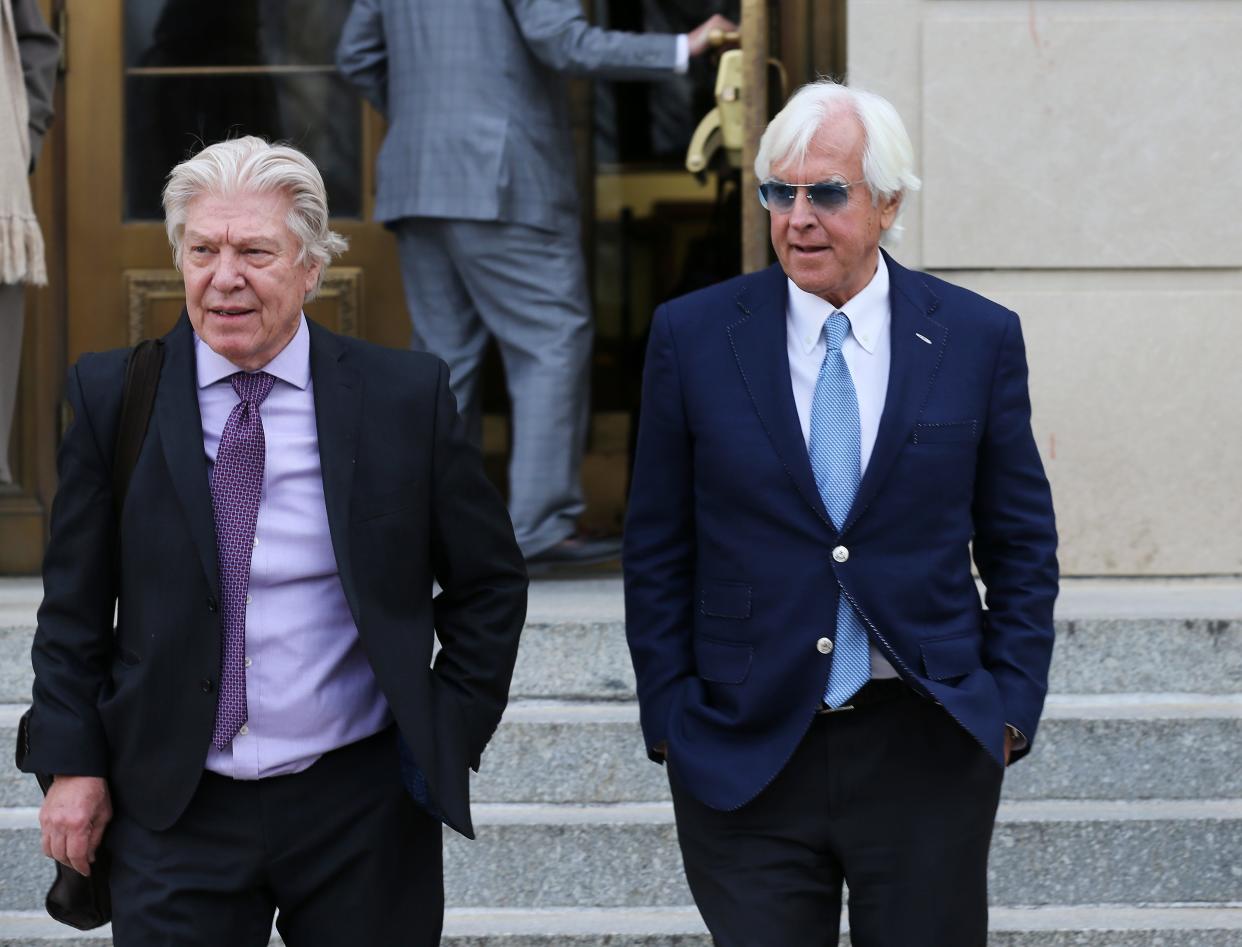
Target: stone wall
column 1082, row 164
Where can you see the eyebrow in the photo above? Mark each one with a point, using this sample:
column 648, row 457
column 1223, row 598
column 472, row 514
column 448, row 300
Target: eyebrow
column 194, row 236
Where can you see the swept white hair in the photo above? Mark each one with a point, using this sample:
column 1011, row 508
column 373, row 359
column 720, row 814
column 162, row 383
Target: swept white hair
column 888, row 155
column 252, row 164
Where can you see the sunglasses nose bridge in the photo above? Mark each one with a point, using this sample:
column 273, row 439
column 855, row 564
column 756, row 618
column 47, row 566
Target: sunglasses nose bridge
column 802, row 206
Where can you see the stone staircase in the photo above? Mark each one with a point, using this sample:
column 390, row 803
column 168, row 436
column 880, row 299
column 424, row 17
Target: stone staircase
column 1122, row 829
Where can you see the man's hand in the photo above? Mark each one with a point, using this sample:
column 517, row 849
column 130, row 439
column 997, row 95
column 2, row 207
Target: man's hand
column 73, row 818
column 700, row 37
column 1008, row 744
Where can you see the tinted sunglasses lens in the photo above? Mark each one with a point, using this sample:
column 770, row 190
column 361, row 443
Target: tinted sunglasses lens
column 777, row 197
column 829, row 196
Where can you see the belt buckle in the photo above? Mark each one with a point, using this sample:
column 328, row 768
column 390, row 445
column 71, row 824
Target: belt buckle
column 825, row 710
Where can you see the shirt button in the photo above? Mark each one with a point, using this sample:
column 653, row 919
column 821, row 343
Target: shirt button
column 255, row 541
column 244, row 730
column 250, row 598
column 840, row 554
column 824, row 645
column 248, row 662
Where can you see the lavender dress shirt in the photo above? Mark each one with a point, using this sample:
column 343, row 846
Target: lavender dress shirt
column 310, row 688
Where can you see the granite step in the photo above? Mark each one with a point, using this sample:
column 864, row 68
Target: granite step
column 1114, row 636
column 1089, row 747
column 1178, row 925
column 625, row 855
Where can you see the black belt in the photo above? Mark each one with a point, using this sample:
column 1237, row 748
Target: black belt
column 876, row 691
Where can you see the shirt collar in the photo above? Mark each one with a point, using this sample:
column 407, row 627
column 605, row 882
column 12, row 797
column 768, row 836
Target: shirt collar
column 868, row 312
column 291, row 364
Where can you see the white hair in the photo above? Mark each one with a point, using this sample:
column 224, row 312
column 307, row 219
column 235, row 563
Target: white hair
column 251, row 164
column 888, row 155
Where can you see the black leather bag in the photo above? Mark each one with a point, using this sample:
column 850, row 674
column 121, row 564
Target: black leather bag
column 77, row 900
column 73, row 899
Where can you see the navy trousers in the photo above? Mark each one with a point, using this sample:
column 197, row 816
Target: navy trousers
column 893, row 798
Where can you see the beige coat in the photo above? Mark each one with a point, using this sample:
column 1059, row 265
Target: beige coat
column 28, row 56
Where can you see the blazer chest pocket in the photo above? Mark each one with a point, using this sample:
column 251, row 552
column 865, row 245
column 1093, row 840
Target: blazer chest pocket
column 945, row 432
column 722, row 662
column 725, row 600
column 951, row 658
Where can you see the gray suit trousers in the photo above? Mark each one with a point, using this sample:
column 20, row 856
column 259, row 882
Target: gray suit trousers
column 469, row 280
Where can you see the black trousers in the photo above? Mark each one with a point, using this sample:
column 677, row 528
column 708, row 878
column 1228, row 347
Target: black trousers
column 340, row 849
column 893, row 798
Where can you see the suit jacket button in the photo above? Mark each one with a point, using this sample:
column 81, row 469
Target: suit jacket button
column 840, row 554
column 205, row 684
column 211, row 603
column 824, row 645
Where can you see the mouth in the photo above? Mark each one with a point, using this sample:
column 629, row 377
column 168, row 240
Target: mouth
column 808, row 249
column 230, row 312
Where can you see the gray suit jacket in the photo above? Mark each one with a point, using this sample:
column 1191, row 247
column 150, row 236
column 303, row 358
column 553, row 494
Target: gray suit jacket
column 474, row 94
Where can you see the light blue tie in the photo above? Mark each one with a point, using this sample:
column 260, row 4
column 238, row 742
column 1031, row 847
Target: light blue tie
column 835, row 451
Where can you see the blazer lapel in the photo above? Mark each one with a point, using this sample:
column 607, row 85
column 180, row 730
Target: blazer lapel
column 338, row 396
column 181, row 436
column 918, row 344
column 760, row 347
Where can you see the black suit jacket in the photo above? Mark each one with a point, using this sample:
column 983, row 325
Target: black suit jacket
column 407, row 502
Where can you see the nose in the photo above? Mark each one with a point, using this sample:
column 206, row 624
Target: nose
column 802, row 215
column 227, row 274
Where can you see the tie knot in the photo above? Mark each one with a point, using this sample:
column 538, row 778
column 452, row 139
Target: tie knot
column 253, row 388
column 836, row 329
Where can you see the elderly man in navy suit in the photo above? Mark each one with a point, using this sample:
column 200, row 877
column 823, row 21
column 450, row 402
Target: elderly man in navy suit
column 824, row 444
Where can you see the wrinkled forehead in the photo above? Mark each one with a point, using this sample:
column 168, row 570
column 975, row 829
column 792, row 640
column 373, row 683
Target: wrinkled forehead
column 246, row 214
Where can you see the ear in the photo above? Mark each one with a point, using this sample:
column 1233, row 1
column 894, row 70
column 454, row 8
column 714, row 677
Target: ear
column 312, row 277
column 888, row 211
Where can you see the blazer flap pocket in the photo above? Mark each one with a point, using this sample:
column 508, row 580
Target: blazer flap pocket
column 725, row 599
column 369, row 505
column 944, row 432
column 955, row 656
column 724, row 662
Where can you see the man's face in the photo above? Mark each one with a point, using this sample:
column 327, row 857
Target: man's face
column 831, row 254
column 244, row 288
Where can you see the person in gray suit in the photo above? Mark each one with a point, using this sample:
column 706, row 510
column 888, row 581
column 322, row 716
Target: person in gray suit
column 476, row 179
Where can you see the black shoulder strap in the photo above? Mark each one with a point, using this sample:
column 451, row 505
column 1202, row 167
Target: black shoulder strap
column 142, row 377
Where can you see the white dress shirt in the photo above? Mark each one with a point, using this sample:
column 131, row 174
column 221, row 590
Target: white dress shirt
column 867, row 351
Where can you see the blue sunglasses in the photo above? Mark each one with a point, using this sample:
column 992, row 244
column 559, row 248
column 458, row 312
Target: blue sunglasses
column 827, row 196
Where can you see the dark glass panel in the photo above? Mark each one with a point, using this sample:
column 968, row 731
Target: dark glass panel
column 232, row 32
column 640, row 122
column 169, row 118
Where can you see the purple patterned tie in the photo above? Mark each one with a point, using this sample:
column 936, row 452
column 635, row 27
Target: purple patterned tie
column 236, row 485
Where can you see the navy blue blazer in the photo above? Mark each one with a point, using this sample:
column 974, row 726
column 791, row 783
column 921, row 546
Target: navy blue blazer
column 730, row 579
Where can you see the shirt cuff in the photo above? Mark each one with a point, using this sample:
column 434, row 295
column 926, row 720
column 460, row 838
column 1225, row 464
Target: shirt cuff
column 683, row 53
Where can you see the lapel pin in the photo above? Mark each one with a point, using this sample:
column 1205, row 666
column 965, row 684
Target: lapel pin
column 920, row 335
